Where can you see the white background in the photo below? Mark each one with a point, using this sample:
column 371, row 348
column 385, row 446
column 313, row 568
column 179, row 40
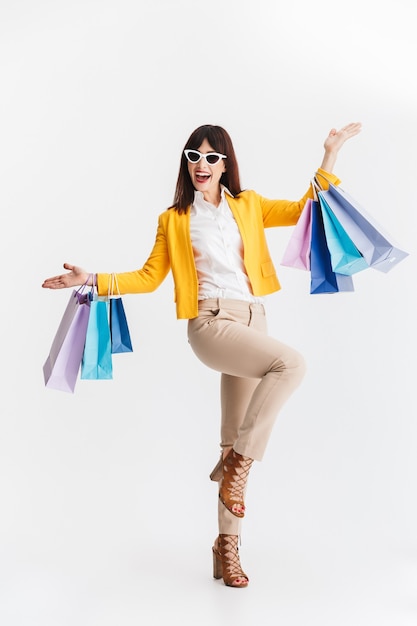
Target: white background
column 107, row 514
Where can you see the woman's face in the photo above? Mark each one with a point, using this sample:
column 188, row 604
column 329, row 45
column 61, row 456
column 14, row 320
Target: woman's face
column 205, row 177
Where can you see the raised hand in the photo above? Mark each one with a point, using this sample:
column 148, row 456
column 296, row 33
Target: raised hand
column 75, row 276
column 335, row 140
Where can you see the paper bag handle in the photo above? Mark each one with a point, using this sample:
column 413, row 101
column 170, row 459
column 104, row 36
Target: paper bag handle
column 112, row 282
column 82, row 287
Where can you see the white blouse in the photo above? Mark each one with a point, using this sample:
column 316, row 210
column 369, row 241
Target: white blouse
column 218, row 251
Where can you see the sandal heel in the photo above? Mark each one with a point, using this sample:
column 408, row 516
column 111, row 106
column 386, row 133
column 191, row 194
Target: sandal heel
column 217, row 566
column 217, row 472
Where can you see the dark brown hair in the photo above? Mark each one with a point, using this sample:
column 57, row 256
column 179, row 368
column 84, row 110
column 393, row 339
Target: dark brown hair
column 220, row 141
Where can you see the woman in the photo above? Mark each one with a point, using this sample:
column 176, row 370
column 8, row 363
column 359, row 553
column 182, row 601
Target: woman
column 213, row 241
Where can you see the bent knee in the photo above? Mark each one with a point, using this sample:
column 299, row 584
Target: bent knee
column 294, row 364
column 301, row 365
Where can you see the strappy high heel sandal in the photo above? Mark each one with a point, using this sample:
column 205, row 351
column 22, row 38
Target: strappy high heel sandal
column 226, row 562
column 235, row 475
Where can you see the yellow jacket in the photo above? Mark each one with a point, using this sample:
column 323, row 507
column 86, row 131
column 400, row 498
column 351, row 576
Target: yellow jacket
column 173, row 251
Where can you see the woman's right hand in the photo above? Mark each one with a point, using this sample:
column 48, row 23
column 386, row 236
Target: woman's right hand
column 74, row 277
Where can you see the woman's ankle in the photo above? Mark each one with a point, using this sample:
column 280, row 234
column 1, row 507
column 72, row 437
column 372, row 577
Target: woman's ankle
column 226, row 451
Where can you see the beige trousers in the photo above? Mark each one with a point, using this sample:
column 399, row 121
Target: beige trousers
column 258, row 375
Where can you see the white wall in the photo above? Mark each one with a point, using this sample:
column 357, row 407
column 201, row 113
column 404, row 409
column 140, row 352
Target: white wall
column 97, row 100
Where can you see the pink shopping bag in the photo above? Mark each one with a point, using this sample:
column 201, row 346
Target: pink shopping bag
column 297, row 252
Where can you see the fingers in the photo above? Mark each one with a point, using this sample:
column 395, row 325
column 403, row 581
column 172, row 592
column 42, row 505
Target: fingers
column 352, row 129
column 347, row 131
column 59, row 282
column 55, row 282
column 338, row 137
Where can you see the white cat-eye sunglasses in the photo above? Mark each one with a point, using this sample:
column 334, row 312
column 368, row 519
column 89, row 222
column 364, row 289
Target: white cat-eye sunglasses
column 194, row 156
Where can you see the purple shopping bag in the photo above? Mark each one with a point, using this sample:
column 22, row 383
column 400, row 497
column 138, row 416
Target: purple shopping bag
column 297, row 252
column 63, row 363
column 378, row 248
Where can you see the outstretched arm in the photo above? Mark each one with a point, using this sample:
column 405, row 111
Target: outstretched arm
column 74, row 277
column 144, row 280
column 334, row 141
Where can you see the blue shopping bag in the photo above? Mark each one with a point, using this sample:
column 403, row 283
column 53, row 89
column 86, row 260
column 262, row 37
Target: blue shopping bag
column 323, row 278
column 97, row 357
column 344, row 255
column 378, row 247
column 119, row 329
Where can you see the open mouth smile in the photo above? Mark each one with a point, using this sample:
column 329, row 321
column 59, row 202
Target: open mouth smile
column 202, row 177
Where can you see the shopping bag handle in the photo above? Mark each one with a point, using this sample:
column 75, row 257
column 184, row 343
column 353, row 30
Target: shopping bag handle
column 316, row 187
column 82, row 287
column 111, row 283
column 317, row 182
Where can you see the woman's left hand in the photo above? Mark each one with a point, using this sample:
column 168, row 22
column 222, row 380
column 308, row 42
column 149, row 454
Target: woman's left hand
column 336, row 138
column 334, row 141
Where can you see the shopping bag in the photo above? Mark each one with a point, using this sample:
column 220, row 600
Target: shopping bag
column 297, row 252
column 344, row 256
column 323, row 279
column 97, row 358
column 63, row 363
column 377, row 247
column 119, row 329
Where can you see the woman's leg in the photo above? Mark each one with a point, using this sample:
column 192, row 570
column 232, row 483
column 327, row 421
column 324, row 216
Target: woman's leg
column 235, row 395
column 225, row 339
column 227, row 549
column 247, row 406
